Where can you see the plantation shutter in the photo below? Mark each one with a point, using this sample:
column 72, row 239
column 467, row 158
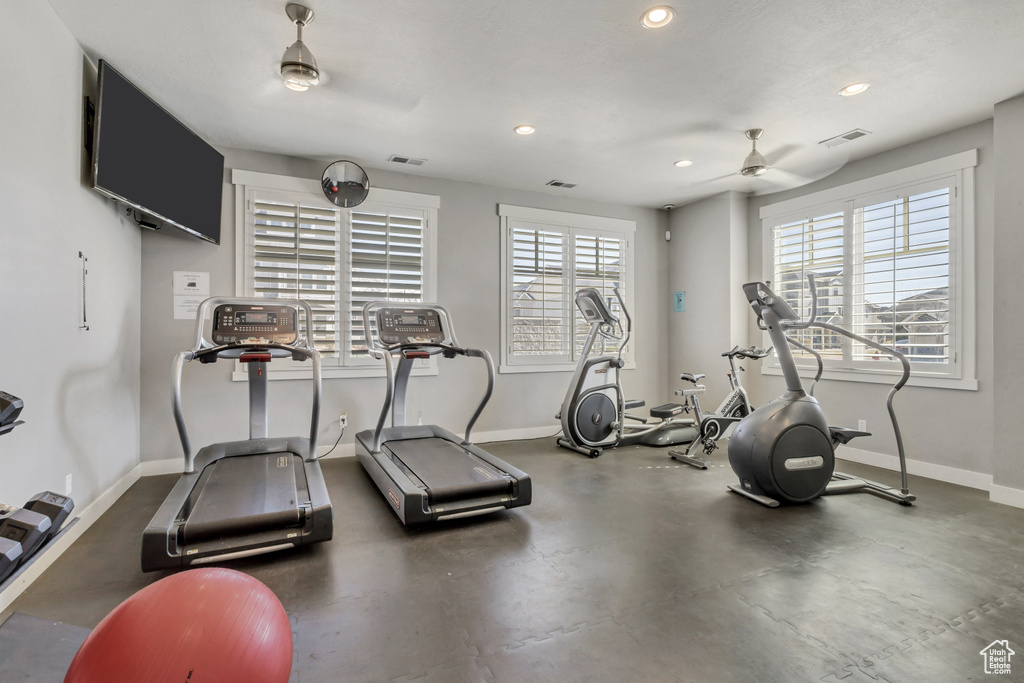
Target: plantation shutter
column 295, row 256
column 598, row 264
column 812, row 245
column 386, row 263
column 903, row 263
column 540, row 291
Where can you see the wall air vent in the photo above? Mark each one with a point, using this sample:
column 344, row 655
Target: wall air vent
column 559, row 183
column 411, row 161
column 845, row 137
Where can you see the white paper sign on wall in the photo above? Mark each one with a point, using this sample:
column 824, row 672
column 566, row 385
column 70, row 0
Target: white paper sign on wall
column 189, row 289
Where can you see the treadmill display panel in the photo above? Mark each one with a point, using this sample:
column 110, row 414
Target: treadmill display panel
column 251, row 324
column 409, row 326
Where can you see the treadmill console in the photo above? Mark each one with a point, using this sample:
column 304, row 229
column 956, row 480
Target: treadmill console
column 253, row 324
column 409, row 326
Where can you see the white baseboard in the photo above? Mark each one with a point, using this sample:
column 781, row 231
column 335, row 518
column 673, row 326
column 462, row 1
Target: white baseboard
column 1006, row 496
column 950, row 475
column 975, row 480
column 86, row 518
column 348, row 450
column 520, row 434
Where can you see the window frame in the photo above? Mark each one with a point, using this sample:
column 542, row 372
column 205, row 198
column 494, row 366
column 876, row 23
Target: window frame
column 347, row 366
column 571, row 225
column 958, row 171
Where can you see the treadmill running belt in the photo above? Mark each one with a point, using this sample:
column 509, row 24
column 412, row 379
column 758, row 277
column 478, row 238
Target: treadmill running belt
column 245, row 494
column 449, row 471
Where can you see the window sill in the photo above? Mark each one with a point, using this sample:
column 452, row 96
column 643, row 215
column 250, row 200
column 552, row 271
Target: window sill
column 847, row 375
column 505, row 369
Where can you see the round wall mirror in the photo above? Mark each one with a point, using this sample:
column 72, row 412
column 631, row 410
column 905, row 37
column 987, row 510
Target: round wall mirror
column 345, row 183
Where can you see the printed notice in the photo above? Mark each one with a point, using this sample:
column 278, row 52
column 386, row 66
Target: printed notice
column 189, row 289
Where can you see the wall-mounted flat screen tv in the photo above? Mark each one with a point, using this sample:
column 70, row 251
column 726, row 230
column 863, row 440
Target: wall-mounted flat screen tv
column 144, row 157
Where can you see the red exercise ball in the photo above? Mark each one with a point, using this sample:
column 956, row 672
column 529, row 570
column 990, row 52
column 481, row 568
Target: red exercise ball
column 207, row 625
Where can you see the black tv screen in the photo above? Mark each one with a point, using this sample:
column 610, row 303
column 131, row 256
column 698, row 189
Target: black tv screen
column 146, row 158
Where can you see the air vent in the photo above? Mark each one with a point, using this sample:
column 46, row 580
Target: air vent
column 559, row 183
column 845, row 137
column 411, row 161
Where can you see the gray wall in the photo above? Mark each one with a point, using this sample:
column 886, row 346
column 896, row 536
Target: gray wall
column 1008, row 329
column 707, row 259
column 468, row 285
column 81, row 388
column 940, row 426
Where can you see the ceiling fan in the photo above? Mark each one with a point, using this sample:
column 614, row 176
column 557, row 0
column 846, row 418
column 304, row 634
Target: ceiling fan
column 755, row 164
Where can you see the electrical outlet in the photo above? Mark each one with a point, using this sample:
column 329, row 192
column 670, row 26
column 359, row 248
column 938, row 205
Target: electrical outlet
column 862, row 425
column 67, row 485
column 343, row 420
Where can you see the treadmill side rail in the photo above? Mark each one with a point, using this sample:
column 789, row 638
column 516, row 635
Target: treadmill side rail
column 411, row 502
column 163, row 543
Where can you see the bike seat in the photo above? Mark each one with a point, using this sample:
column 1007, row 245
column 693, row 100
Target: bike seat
column 666, row 410
column 843, row 435
column 691, row 378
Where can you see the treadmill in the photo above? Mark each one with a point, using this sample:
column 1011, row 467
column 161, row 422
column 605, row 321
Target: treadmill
column 242, row 498
column 426, row 473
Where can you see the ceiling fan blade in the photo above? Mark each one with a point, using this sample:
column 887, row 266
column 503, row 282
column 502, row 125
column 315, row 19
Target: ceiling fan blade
column 775, row 158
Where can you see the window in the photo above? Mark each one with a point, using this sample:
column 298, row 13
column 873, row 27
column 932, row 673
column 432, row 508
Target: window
column 893, row 262
column 546, row 257
column 293, row 243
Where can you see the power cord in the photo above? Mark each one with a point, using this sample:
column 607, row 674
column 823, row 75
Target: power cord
column 334, row 446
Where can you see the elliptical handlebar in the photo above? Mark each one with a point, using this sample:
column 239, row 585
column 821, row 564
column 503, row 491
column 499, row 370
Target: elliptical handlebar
column 629, row 321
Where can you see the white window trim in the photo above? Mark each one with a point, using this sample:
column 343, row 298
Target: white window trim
column 962, row 280
column 591, row 224
column 430, row 204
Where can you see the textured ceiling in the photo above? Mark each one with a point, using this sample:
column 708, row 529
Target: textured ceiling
column 614, row 104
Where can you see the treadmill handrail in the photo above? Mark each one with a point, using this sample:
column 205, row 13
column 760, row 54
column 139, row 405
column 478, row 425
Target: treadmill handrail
column 203, row 347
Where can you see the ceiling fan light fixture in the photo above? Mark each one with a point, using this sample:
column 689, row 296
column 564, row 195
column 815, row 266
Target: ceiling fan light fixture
column 298, row 66
column 854, row 89
column 755, row 164
column 656, row 17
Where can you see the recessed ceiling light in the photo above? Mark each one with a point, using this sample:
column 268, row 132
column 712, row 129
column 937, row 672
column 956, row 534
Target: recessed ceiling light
column 656, row 17
column 854, row 89
column 683, row 163
column 524, row 129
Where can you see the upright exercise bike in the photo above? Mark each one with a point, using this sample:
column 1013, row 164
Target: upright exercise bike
column 717, row 425
column 785, row 450
column 593, row 413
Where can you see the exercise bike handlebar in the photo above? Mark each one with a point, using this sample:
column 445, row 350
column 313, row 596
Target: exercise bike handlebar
column 753, row 352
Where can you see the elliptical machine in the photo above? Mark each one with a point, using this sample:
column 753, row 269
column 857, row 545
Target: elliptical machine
column 717, row 425
column 785, row 450
column 593, row 413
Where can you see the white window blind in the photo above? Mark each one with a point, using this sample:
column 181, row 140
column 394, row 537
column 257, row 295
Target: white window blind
column 386, row 263
column 812, row 245
column 545, row 263
column 296, row 244
column 598, row 264
column 539, row 289
column 893, row 259
column 903, row 265
column 295, row 256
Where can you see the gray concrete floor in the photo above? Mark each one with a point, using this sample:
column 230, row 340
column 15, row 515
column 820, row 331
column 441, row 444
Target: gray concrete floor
column 628, row 567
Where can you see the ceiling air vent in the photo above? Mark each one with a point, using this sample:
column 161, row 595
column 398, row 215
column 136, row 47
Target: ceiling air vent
column 845, row 137
column 559, row 183
column 411, row 161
